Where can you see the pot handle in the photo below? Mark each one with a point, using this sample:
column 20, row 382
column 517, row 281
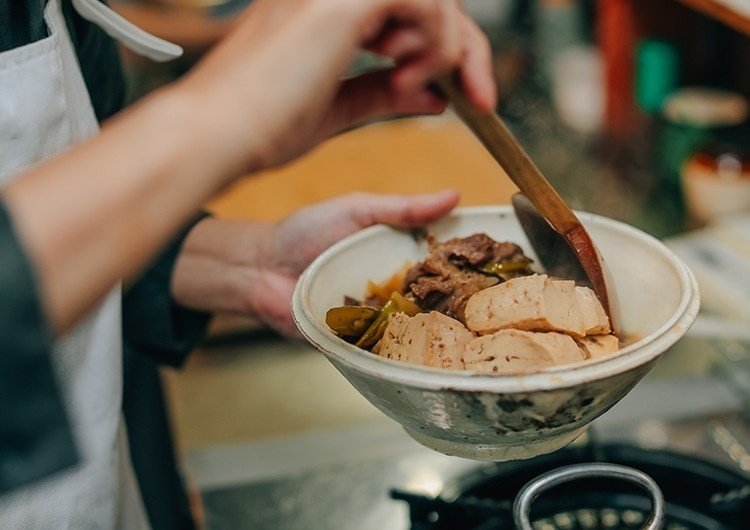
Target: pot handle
column 527, row 495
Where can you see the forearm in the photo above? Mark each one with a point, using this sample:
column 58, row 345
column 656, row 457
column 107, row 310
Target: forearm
column 100, row 212
column 221, row 265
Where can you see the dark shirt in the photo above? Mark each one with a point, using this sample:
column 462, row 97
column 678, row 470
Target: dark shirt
column 35, row 438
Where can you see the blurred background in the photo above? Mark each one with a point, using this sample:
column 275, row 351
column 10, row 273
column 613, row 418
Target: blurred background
column 634, row 109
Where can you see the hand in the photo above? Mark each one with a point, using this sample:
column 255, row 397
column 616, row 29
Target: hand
column 273, row 88
column 252, row 268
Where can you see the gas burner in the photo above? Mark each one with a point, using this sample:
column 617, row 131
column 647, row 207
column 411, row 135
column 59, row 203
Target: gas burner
column 697, row 494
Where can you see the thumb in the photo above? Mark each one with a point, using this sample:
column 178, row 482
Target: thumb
column 403, row 211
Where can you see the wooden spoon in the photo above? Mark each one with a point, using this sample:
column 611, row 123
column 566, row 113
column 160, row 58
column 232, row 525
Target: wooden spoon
column 565, row 225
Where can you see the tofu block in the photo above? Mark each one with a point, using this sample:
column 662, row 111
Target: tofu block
column 595, row 320
column 529, row 303
column 511, row 351
column 430, row 339
column 597, row 346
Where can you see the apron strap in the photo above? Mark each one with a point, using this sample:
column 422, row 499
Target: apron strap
column 127, row 33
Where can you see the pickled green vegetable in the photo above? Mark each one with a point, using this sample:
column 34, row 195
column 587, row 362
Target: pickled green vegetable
column 505, row 266
column 351, row 321
column 397, row 304
column 405, row 305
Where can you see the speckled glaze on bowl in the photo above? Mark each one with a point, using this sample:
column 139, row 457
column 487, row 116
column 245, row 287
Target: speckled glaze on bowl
column 490, row 416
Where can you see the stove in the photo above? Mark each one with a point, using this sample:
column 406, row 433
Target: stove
column 697, row 494
column 684, row 428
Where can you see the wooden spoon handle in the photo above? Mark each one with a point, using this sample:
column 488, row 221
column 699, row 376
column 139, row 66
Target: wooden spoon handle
column 503, row 146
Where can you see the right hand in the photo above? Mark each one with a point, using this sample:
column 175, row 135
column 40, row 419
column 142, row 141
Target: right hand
column 272, row 89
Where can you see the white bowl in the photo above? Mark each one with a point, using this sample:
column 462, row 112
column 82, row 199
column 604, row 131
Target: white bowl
column 490, row 416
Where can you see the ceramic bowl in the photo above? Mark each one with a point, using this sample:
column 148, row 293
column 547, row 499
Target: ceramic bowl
column 490, row 416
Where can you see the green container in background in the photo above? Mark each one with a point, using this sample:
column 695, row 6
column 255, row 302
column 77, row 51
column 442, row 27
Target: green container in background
column 657, row 65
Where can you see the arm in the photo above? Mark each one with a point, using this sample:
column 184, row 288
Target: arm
column 165, row 156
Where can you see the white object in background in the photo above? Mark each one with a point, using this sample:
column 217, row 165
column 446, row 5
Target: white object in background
column 714, row 188
column 705, row 107
column 719, row 256
column 578, row 88
column 742, row 7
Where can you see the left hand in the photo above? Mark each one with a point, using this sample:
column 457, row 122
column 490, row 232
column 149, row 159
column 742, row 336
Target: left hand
column 252, row 268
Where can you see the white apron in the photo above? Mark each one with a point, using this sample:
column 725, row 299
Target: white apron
column 44, row 108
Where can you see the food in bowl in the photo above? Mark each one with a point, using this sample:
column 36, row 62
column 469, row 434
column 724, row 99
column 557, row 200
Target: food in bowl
column 476, row 304
column 481, row 415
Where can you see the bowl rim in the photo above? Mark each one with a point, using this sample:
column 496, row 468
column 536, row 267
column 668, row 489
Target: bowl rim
column 638, row 353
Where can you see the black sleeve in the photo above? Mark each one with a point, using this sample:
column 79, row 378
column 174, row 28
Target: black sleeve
column 153, row 324
column 35, row 436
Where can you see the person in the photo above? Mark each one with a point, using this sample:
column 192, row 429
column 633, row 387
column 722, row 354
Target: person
column 82, row 210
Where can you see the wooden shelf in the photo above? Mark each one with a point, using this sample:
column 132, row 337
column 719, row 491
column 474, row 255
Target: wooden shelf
column 721, row 12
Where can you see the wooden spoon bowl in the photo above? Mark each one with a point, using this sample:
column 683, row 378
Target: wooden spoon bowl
column 566, row 243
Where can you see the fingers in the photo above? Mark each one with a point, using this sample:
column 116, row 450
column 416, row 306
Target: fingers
column 401, row 210
column 436, row 38
column 442, row 30
column 400, row 42
column 476, row 69
column 302, row 236
column 372, row 96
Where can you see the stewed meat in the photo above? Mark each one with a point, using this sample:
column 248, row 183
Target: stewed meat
column 476, row 250
column 454, row 271
column 476, row 304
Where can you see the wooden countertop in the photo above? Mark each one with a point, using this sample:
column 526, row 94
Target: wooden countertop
column 401, row 156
